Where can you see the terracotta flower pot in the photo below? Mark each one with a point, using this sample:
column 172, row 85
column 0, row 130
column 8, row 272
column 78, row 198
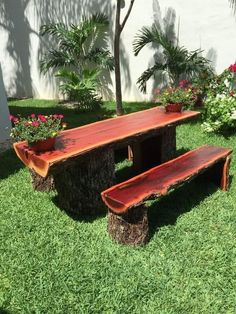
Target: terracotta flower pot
column 43, row 145
column 177, row 107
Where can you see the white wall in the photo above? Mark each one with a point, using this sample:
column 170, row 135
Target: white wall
column 5, row 125
column 202, row 24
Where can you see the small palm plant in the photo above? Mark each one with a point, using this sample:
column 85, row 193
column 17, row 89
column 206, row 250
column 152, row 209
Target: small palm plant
column 77, row 59
column 176, row 62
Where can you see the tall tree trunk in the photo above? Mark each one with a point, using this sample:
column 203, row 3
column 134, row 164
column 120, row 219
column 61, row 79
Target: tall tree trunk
column 119, row 107
column 118, row 29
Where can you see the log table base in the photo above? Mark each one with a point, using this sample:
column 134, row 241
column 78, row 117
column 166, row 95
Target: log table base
column 79, row 184
column 154, row 150
column 42, row 184
column 130, row 228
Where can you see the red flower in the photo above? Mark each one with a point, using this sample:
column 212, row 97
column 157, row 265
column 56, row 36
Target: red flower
column 232, row 67
column 42, row 118
column 32, row 115
column 35, row 123
column 13, row 119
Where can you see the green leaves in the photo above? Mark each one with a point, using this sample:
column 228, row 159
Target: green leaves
column 76, row 57
column 176, row 61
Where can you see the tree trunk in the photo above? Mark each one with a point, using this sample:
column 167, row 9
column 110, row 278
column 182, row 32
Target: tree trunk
column 130, row 228
column 119, row 107
column 79, row 184
column 42, row 184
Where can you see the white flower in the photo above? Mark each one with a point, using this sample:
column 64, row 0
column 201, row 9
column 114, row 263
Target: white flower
column 233, row 115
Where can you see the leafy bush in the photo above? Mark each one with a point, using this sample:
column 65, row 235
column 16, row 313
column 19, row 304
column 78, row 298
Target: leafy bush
column 175, row 63
column 220, row 103
column 220, row 113
column 77, row 60
column 81, row 88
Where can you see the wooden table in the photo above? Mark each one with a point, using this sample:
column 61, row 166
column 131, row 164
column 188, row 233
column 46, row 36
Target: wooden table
column 82, row 163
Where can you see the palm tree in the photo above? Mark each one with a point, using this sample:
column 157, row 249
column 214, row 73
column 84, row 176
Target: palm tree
column 79, row 55
column 176, row 62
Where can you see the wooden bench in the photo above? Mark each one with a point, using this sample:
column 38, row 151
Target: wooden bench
column 127, row 217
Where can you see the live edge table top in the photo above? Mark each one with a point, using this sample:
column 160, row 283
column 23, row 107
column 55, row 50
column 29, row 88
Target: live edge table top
column 78, row 141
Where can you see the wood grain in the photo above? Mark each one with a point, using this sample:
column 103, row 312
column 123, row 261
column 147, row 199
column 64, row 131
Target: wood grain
column 111, row 132
column 161, row 179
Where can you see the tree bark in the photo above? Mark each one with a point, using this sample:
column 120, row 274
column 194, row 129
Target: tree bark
column 130, row 228
column 42, row 184
column 118, row 29
column 119, row 107
column 79, row 184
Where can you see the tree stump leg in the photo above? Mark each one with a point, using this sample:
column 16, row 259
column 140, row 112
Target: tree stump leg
column 42, row 184
column 168, row 144
column 224, row 182
column 79, row 184
column 130, row 228
column 155, row 150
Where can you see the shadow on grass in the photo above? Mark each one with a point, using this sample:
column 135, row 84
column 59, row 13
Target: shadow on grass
column 137, row 106
column 167, row 210
column 9, row 164
column 81, row 216
column 73, row 117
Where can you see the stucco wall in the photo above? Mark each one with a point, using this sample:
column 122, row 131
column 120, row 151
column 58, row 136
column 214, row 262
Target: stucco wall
column 5, row 125
column 199, row 24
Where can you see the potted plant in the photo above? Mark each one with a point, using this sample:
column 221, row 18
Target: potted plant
column 39, row 131
column 176, row 99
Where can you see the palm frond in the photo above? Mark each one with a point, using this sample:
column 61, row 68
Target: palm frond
column 146, row 75
column 71, row 76
column 101, row 57
column 56, row 59
column 58, row 30
column 144, row 37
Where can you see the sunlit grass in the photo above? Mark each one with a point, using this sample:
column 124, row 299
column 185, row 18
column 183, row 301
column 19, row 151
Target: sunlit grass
column 50, row 263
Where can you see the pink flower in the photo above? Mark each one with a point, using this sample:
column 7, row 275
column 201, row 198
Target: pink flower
column 11, row 117
column 32, row 115
column 35, row 123
column 58, row 116
column 232, row 67
column 184, row 83
column 42, row 118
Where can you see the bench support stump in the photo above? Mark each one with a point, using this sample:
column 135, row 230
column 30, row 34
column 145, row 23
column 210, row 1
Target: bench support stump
column 79, row 184
column 130, row 228
column 42, row 184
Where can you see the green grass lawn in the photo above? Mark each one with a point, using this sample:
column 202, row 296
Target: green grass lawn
column 50, row 263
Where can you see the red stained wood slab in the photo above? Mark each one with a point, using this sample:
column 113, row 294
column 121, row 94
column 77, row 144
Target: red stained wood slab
column 79, row 141
column 159, row 180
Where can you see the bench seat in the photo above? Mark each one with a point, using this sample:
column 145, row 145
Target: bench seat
column 122, row 199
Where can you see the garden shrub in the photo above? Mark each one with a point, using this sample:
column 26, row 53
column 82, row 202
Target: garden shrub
column 220, row 103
